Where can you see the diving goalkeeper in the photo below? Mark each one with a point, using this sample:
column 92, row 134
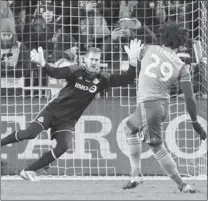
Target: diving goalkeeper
column 63, row 111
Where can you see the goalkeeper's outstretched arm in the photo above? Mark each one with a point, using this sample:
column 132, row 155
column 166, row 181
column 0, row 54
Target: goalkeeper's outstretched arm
column 133, row 51
column 58, row 73
column 115, row 80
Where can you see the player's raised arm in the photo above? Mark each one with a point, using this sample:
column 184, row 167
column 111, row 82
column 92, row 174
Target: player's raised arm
column 115, row 80
column 58, row 73
column 186, row 86
column 133, row 51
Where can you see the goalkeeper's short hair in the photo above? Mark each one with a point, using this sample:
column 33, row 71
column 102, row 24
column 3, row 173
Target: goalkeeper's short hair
column 93, row 50
column 173, row 35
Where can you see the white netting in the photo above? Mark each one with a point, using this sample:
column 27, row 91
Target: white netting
column 99, row 147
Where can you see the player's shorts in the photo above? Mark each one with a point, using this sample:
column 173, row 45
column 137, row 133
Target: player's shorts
column 47, row 120
column 147, row 121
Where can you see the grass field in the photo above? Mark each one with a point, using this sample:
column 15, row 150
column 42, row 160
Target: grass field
column 97, row 190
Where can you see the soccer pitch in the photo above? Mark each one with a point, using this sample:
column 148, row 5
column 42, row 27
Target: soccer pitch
column 97, row 190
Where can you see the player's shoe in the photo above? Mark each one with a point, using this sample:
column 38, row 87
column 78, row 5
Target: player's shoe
column 186, row 188
column 29, row 175
column 133, row 184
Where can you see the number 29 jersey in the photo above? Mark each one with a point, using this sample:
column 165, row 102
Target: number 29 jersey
column 160, row 68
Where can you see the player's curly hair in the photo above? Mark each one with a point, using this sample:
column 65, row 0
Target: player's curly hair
column 173, row 35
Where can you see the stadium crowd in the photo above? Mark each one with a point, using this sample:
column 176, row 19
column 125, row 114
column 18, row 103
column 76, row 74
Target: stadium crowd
column 66, row 29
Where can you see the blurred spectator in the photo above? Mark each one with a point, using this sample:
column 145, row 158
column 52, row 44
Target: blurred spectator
column 65, row 46
column 69, row 20
column 123, row 31
column 130, row 27
column 93, row 24
column 23, row 12
column 6, row 13
column 124, row 35
column 94, row 28
column 199, row 70
column 196, row 66
column 43, row 25
column 200, row 78
column 125, row 15
column 151, row 14
column 15, row 58
column 110, row 10
column 175, row 10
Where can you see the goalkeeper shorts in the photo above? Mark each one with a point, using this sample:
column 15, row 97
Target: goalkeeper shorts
column 47, row 120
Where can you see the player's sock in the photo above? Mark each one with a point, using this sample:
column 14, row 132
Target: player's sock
column 135, row 150
column 47, row 158
column 30, row 133
column 12, row 138
column 168, row 165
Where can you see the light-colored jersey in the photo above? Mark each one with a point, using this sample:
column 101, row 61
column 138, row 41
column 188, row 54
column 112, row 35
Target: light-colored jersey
column 160, row 69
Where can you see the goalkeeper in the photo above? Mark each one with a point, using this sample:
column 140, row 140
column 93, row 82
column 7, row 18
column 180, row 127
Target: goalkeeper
column 63, row 111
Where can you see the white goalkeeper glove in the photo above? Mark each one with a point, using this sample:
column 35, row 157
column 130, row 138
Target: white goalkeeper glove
column 38, row 57
column 134, row 51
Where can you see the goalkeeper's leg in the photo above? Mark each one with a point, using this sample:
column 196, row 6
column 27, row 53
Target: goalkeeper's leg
column 30, row 133
column 40, row 123
column 64, row 142
column 169, row 167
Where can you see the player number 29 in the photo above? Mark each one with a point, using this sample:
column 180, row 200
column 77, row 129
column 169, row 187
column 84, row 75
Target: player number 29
column 166, row 68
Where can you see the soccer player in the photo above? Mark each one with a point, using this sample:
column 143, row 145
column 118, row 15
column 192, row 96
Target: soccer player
column 63, row 111
column 160, row 68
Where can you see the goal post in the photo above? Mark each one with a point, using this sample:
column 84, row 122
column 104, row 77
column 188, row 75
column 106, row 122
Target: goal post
column 99, row 146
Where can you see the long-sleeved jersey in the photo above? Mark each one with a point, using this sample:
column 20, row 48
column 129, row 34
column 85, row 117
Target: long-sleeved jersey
column 80, row 89
column 160, row 69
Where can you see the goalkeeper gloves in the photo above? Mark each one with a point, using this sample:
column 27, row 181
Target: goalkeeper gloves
column 198, row 128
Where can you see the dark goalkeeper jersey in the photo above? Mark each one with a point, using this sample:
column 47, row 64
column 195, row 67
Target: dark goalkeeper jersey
column 81, row 88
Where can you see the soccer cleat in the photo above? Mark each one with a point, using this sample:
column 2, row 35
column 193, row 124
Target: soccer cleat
column 29, row 175
column 186, row 188
column 133, row 184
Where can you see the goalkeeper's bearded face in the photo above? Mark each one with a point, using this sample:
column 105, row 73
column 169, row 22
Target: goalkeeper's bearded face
column 92, row 62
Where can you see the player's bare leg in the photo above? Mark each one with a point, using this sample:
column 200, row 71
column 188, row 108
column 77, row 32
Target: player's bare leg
column 64, row 142
column 169, row 167
column 135, row 150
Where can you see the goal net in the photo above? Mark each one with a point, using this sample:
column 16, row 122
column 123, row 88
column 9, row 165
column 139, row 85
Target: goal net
column 99, row 146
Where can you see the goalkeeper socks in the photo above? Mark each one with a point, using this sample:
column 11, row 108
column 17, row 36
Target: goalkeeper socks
column 30, row 133
column 168, row 165
column 45, row 160
column 12, row 138
column 135, row 150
